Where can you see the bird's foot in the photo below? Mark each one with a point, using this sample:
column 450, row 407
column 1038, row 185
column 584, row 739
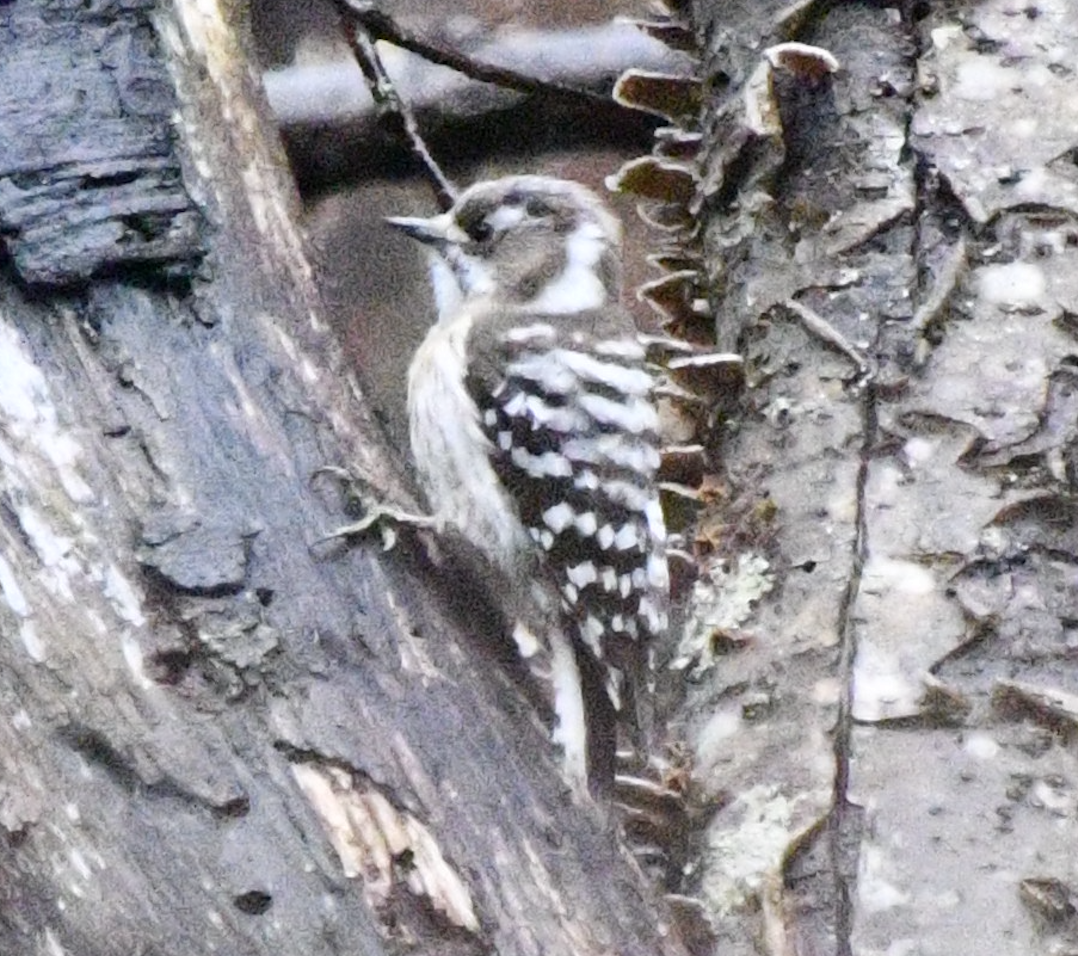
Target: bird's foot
column 374, row 514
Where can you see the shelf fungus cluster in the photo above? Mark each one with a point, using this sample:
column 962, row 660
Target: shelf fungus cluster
column 700, row 380
column 695, row 175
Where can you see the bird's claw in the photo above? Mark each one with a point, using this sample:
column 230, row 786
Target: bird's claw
column 376, row 514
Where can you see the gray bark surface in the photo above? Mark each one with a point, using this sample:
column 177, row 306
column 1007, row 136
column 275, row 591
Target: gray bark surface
column 217, row 734
column 884, row 740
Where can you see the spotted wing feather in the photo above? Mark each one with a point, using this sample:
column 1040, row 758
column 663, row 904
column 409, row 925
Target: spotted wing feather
column 573, row 430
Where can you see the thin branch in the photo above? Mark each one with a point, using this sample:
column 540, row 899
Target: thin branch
column 393, row 108
column 817, row 325
column 381, row 26
column 334, row 129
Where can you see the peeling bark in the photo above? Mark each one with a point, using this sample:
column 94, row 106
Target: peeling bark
column 885, row 752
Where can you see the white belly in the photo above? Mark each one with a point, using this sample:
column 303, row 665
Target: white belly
column 452, row 453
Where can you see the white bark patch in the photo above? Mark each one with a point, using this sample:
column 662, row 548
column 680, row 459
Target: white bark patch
column 125, row 600
column 31, row 642
column 10, row 590
column 369, row 833
column 28, row 416
column 1013, row 285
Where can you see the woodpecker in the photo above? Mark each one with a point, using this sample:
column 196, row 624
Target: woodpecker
column 535, row 437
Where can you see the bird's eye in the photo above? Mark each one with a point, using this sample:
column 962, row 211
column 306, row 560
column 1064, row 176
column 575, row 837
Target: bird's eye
column 480, row 231
column 537, row 208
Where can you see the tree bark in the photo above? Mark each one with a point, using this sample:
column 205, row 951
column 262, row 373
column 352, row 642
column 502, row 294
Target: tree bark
column 218, row 734
column 890, row 732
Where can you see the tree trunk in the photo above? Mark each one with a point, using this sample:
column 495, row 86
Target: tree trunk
column 218, row 734
column 892, row 247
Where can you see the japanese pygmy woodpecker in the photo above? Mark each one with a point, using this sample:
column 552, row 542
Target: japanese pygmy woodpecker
column 535, row 435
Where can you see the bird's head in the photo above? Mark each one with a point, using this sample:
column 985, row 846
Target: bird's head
column 533, row 242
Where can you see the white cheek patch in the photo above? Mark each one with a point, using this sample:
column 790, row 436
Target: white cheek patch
column 475, row 277
column 579, row 286
column 506, row 217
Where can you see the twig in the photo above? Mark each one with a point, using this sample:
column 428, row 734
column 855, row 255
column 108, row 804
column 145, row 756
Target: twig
column 381, row 26
column 817, row 325
column 931, row 313
column 391, row 106
column 328, row 92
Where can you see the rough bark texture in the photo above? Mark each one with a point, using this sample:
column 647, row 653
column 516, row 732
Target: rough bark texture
column 890, row 736
column 216, row 735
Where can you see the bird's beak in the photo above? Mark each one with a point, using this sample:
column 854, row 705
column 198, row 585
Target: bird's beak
column 435, row 231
